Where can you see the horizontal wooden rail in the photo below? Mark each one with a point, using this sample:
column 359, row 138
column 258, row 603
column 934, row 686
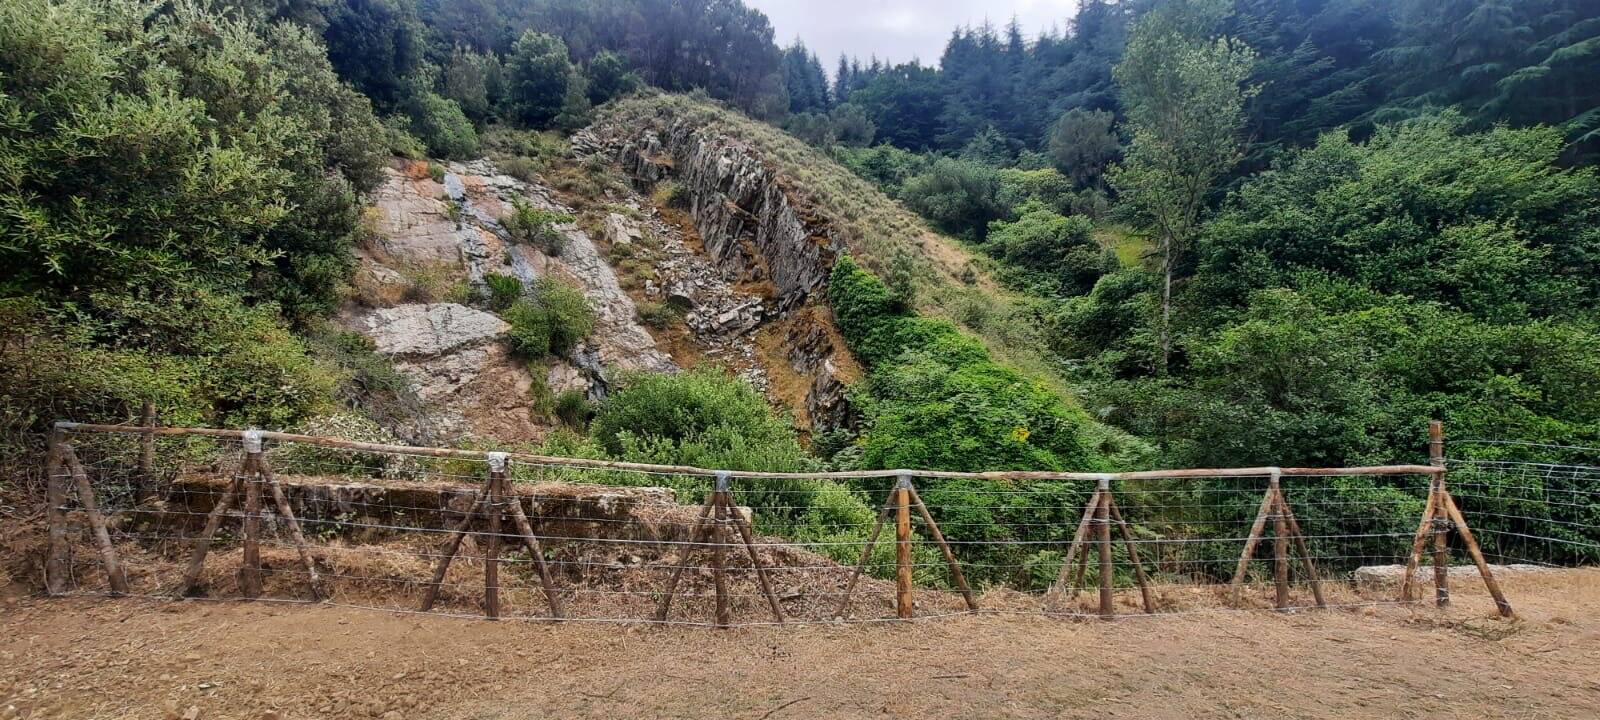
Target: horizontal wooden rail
column 687, row 470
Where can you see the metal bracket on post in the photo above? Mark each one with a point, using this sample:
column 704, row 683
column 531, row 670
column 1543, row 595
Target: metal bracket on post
column 903, row 481
column 724, row 481
column 252, row 441
column 497, row 461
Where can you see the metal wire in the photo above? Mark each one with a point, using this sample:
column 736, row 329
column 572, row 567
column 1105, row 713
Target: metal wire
column 378, row 526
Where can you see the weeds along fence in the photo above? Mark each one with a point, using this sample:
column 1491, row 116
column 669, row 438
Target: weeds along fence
column 228, row 514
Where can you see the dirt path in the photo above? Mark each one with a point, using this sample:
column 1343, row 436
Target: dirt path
column 101, row 658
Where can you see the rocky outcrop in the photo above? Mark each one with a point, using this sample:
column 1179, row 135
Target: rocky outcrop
column 452, row 355
column 425, row 331
column 618, row 341
column 751, row 227
column 449, row 230
column 814, row 352
column 755, row 233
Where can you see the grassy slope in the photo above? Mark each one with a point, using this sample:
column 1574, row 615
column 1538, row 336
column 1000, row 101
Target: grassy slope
column 875, row 227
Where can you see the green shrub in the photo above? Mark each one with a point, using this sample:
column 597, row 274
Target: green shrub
column 503, row 290
column 440, row 124
column 958, row 196
column 670, row 194
column 935, row 398
column 551, row 320
column 572, row 407
column 658, row 315
column 535, row 226
column 1060, row 251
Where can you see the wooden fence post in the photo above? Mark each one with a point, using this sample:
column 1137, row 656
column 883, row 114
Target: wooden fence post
column 491, row 552
column 902, row 549
column 147, row 453
column 950, row 561
column 1102, row 523
column 1280, row 547
column 57, row 566
column 250, row 569
column 697, row 532
column 866, row 554
column 286, row 512
column 452, row 545
column 1268, row 500
column 97, row 523
column 525, row 528
column 719, row 550
column 1441, row 525
column 1439, row 516
column 1079, row 537
column 747, row 536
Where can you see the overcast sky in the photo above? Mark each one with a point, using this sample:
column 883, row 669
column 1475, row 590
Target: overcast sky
column 898, row 29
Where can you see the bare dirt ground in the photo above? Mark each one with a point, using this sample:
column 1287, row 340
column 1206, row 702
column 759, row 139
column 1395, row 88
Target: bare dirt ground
column 130, row 658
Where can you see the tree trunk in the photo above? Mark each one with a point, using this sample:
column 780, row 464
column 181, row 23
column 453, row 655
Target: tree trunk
column 1166, row 306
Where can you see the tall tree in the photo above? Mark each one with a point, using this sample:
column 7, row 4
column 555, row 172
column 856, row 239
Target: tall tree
column 1184, row 97
column 904, row 104
column 538, row 75
column 1083, row 143
column 805, row 81
column 842, row 81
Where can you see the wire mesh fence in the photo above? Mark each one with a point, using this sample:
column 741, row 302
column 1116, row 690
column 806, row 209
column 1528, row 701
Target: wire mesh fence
column 212, row 514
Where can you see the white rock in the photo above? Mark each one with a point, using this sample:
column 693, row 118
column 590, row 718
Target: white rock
column 429, row 330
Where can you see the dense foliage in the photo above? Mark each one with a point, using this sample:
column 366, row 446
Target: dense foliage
column 936, row 399
column 172, row 180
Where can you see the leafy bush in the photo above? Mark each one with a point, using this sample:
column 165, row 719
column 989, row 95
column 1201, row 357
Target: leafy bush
column 1047, row 245
column 173, row 184
column 573, row 408
column 504, row 290
column 551, row 320
column 958, row 196
column 1487, row 223
column 692, row 404
column 658, row 315
column 536, row 226
column 441, row 125
column 935, row 399
column 204, row 360
column 886, row 166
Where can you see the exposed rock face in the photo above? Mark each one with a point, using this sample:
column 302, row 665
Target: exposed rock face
column 456, row 364
column 451, row 352
column 430, row 330
column 751, row 228
column 754, row 232
column 813, row 352
column 618, row 340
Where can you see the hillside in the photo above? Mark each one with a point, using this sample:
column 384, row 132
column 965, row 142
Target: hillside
column 847, row 213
